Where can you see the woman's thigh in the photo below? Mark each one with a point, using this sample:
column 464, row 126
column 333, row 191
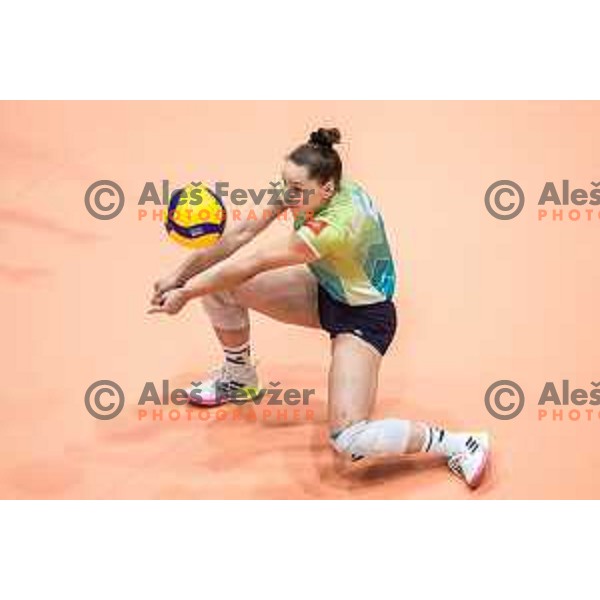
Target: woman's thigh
column 288, row 295
column 353, row 377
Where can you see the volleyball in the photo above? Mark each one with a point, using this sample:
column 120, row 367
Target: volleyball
column 196, row 217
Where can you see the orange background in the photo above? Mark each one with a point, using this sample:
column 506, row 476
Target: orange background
column 480, row 299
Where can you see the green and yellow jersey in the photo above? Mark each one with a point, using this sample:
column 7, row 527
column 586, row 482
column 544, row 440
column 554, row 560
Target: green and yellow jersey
column 354, row 264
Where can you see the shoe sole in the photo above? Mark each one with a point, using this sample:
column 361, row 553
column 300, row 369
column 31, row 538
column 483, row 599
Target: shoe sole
column 211, row 403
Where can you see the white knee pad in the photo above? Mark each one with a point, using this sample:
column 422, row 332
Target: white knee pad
column 225, row 312
column 372, row 438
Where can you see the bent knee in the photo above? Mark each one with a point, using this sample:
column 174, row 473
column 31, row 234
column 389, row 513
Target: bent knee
column 372, row 438
column 224, row 311
column 349, row 440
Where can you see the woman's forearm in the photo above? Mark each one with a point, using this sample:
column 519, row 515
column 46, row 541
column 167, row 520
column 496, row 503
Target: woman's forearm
column 226, row 275
column 236, row 237
column 201, row 260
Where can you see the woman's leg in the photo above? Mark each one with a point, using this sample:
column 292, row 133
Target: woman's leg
column 353, row 378
column 352, row 391
column 288, row 295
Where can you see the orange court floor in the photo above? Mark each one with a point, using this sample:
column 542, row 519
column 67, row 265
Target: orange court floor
column 479, row 299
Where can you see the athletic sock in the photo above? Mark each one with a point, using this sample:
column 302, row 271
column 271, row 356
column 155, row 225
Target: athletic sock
column 442, row 441
column 239, row 366
column 239, row 355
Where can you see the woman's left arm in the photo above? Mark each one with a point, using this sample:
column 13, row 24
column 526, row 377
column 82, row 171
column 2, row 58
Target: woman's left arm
column 237, row 269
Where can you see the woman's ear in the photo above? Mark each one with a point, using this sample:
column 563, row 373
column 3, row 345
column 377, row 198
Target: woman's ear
column 329, row 189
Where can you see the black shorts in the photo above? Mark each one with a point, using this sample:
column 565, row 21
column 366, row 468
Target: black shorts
column 374, row 323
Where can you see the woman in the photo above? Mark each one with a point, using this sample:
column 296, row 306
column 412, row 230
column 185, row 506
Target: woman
column 347, row 290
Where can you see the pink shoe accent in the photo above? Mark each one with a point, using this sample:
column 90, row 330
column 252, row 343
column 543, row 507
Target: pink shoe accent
column 207, row 401
column 479, row 474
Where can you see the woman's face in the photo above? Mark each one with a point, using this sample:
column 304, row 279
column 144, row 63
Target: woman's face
column 302, row 193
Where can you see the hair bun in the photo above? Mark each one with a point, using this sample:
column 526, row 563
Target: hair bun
column 325, row 138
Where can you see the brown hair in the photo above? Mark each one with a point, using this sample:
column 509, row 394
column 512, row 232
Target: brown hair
column 319, row 156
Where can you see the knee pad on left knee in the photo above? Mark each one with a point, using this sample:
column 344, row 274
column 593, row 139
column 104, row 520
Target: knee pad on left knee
column 349, row 440
column 370, row 438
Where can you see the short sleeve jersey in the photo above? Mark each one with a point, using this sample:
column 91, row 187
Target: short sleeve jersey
column 354, row 264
